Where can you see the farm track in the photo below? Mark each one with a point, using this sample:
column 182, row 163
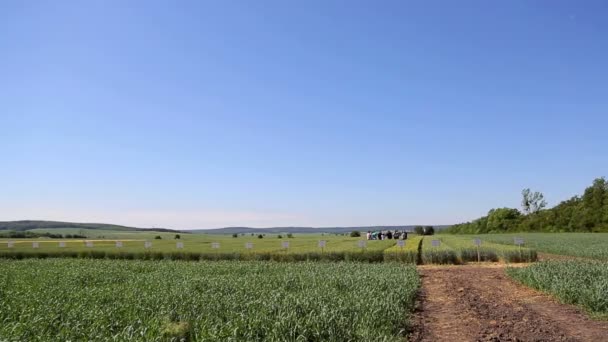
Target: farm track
column 481, row 303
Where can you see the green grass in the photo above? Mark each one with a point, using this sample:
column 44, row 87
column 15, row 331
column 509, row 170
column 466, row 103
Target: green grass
column 76, row 299
column 586, row 245
column 409, row 253
column 199, row 247
column 583, row 283
column 442, row 254
column 488, row 251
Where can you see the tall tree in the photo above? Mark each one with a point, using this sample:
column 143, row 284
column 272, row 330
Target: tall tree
column 532, row 202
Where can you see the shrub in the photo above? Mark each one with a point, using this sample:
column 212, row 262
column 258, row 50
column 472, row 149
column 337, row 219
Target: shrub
column 235, row 235
column 355, row 233
column 177, row 236
column 260, row 236
column 157, row 237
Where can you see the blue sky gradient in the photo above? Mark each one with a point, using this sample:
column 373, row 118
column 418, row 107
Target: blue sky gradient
column 202, row 114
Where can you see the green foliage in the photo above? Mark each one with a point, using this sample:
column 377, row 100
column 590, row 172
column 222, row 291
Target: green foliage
column 260, row 236
column 177, row 236
column 588, row 213
column 424, row 230
column 219, row 301
column 355, row 233
column 289, row 235
column 582, row 283
column 158, row 237
column 279, row 236
column 235, row 235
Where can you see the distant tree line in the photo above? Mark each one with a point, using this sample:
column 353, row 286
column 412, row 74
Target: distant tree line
column 586, row 213
column 424, row 230
column 32, row 235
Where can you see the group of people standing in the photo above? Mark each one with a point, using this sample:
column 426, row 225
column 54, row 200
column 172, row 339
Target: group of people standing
column 387, row 235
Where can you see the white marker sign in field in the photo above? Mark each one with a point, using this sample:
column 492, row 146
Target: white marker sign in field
column 477, row 242
column 215, row 245
column 435, row 243
column 322, row 243
column 35, row 245
column 285, row 244
column 61, row 244
column 179, row 245
column 118, row 244
column 519, row 241
column 362, row 243
column 249, row 245
column 400, row 243
column 10, row 244
column 89, row 243
column 147, row 244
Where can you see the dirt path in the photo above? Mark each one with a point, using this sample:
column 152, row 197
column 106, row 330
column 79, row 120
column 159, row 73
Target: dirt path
column 480, row 303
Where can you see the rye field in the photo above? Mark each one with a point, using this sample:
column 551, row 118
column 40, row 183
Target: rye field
column 584, row 245
column 438, row 249
column 579, row 282
column 125, row 300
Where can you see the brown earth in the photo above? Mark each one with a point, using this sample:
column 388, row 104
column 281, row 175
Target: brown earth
column 480, row 303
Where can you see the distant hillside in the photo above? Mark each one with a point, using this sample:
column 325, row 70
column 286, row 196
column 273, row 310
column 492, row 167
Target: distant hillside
column 302, row 230
column 20, row 226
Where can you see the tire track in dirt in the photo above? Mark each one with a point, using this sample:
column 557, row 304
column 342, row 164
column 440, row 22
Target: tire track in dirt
column 477, row 303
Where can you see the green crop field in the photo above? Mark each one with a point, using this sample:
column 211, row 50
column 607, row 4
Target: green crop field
column 583, row 283
column 453, row 249
column 587, row 245
column 466, row 250
column 78, row 299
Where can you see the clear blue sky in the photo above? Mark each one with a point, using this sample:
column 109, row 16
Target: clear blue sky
column 200, row 114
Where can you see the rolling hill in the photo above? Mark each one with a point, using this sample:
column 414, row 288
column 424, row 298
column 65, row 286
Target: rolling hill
column 20, row 226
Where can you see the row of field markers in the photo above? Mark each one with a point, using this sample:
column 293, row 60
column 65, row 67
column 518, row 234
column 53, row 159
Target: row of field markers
column 215, row 245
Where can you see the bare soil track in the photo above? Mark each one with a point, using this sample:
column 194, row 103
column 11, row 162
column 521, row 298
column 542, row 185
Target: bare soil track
column 480, row 303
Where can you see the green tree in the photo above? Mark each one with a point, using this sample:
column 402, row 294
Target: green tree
column 532, row 202
column 355, row 234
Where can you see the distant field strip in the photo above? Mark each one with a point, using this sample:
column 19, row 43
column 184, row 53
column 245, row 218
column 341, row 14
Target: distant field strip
column 584, row 283
column 586, row 245
column 449, row 249
column 467, row 250
column 78, row 300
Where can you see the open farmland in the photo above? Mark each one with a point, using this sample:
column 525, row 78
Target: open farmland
column 586, row 245
column 417, row 249
column 62, row 299
column 583, row 283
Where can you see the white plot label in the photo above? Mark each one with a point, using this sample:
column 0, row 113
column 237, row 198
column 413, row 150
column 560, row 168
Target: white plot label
column 285, row 244
column 179, row 245
column 89, row 243
column 519, row 241
column 215, row 245
column 35, row 244
column 435, row 243
column 362, row 243
column 61, row 244
column 147, row 244
column 249, row 245
column 10, row 244
column 477, row 242
column 322, row 243
column 400, row 243
column 118, row 244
